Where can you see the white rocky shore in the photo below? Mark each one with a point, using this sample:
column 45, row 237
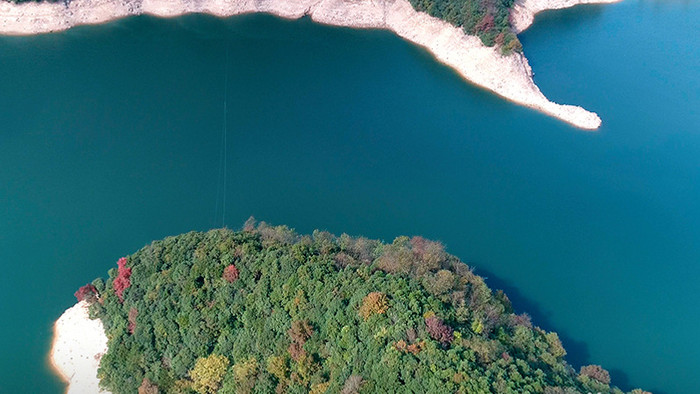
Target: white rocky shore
column 508, row 76
column 78, row 345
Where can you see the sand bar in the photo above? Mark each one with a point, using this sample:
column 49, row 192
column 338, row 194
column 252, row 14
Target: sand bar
column 78, row 345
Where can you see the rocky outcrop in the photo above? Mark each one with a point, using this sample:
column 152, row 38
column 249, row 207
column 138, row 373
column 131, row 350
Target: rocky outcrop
column 508, row 76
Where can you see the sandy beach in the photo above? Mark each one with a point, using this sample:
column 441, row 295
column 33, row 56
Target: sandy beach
column 508, row 76
column 78, row 345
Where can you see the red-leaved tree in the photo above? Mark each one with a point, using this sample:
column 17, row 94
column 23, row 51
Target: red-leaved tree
column 439, row 331
column 300, row 331
column 596, row 372
column 122, row 281
column 296, row 351
column 231, row 273
column 87, row 293
column 485, row 24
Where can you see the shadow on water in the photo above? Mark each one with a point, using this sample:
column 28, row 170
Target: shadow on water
column 577, row 353
column 567, row 20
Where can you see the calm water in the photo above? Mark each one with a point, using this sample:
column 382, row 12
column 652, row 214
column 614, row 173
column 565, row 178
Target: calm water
column 110, row 138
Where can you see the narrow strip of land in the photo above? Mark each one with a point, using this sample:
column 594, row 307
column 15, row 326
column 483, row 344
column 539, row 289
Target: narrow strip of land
column 508, row 76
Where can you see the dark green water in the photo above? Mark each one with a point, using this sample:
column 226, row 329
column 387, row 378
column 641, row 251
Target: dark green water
column 110, row 138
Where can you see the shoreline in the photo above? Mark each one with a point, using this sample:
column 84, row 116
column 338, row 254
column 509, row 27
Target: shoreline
column 77, row 348
column 507, row 76
column 524, row 11
column 52, row 363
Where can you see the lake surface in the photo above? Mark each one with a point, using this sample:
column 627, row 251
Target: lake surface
column 111, row 136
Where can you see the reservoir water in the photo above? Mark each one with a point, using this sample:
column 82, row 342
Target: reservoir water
column 110, row 138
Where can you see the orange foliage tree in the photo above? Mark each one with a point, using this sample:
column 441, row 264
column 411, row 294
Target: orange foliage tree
column 373, row 303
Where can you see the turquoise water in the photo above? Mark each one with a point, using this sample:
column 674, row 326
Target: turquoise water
column 110, row 138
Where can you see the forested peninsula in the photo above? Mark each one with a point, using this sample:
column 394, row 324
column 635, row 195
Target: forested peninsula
column 265, row 310
column 475, row 37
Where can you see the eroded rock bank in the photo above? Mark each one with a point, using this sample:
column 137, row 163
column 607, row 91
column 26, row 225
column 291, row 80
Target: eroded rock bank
column 508, row 76
column 78, row 345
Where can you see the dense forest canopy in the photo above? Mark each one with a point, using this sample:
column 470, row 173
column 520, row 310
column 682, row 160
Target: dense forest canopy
column 487, row 19
column 267, row 310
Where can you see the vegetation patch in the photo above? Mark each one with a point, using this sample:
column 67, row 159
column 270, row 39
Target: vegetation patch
column 487, row 19
column 267, row 310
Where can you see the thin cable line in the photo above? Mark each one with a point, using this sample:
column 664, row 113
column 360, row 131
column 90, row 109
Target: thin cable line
column 225, row 132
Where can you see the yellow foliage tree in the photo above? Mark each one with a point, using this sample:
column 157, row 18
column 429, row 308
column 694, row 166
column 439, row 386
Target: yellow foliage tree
column 277, row 367
column 373, row 303
column 319, row 388
column 208, row 372
column 244, row 373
